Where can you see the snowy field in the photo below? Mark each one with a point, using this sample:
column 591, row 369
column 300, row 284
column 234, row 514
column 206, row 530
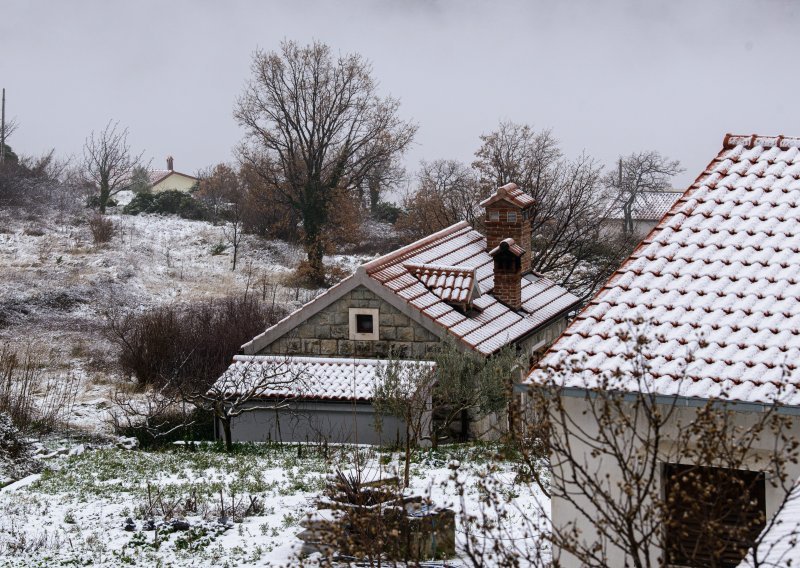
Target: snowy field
column 56, row 284
column 75, row 512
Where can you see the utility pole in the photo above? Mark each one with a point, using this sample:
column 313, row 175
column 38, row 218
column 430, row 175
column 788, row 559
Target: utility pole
column 3, row 130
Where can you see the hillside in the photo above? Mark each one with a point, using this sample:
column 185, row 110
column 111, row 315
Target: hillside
column 56, row 285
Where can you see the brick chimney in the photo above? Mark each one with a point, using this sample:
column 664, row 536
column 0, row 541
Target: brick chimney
column 170, row 162
column 507, row 258
column 508, row 215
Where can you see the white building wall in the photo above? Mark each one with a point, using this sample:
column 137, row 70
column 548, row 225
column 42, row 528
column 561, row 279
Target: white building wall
column 564, row 512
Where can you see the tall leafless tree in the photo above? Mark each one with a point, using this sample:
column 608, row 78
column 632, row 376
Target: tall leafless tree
column 315, row 124
column 108, row 162
column 447, row 192
column 569, row 197
column 636, row 178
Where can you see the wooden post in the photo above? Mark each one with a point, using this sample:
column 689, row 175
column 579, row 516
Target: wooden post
column 3, row 129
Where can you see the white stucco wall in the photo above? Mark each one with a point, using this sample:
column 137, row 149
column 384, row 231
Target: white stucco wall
column 564, row 512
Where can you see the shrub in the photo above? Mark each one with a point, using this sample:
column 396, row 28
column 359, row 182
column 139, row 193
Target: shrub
column 196, row 425
column 16, row 455
column 102, row 228
column 193, row 343
column 218, row 249
column 385, row 211
column 93, row 202
column 172, row 202
column 33, row 401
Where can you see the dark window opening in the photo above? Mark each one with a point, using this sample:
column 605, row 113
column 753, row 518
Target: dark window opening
column 713, row 515
column 364, row 323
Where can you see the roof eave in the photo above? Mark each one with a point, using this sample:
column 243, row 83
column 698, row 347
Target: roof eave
column 675, row 400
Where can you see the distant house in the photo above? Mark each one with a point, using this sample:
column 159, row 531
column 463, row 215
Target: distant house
column 477, row 289
column 648, row 209
column 169, row 179
column 718, row 284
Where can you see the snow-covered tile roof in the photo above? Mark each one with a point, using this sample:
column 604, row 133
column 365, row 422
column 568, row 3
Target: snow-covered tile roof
column 494, row 324
column 510, row 245
column 647, row 205
column 717, row 283
column 453, row 284
column 511, row 193
column 308, row 378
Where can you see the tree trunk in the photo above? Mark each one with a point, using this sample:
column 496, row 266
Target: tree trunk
column 104, row 195
column 226, row 428
column 407, row 469
column 464, row 425
column 315, row 252
column 235, row 253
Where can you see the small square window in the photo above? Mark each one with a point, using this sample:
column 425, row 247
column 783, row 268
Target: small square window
column 363, row 323
column 512, row 216
column 494, row 215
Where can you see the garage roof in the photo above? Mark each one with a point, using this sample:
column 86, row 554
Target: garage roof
column 309, row 378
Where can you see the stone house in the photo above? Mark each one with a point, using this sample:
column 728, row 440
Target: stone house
column 458, row 283
column 716, row 284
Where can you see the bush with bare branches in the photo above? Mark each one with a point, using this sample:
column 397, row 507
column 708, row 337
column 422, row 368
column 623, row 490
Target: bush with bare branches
column 186, row 343
column 33, row 399
column 102, row 228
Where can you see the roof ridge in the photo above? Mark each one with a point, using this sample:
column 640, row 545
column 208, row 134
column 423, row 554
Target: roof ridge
column 753, row 140
column 379, row 262
column 320, row 360
column 434, row 266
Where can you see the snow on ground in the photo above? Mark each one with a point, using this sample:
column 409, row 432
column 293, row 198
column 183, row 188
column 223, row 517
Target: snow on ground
column 55, row 285
column 75, row 512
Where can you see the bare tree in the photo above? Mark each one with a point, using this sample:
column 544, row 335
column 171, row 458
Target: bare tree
column 637, row 177
column 108, row 162
column 217, row 188
column 315, row 124
column 246, row 387
column 568, row 194
column 447, row 192
column 404, row 390
column 233, row 229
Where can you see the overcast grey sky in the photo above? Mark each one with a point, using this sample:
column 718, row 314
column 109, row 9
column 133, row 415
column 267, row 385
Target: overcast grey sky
column 607, row 77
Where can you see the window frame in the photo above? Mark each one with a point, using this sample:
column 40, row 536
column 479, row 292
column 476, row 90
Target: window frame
column 354, row 334
column 511, row 216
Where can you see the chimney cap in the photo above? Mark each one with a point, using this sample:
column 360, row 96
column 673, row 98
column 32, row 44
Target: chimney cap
column 507, row 245
column 512, row 193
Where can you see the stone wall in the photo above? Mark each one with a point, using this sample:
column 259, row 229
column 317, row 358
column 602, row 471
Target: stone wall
column 327, row 333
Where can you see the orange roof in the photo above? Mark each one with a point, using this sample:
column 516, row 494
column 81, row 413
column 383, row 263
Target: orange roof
column 511, row 193
column 453, row 284
column 494, row 325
